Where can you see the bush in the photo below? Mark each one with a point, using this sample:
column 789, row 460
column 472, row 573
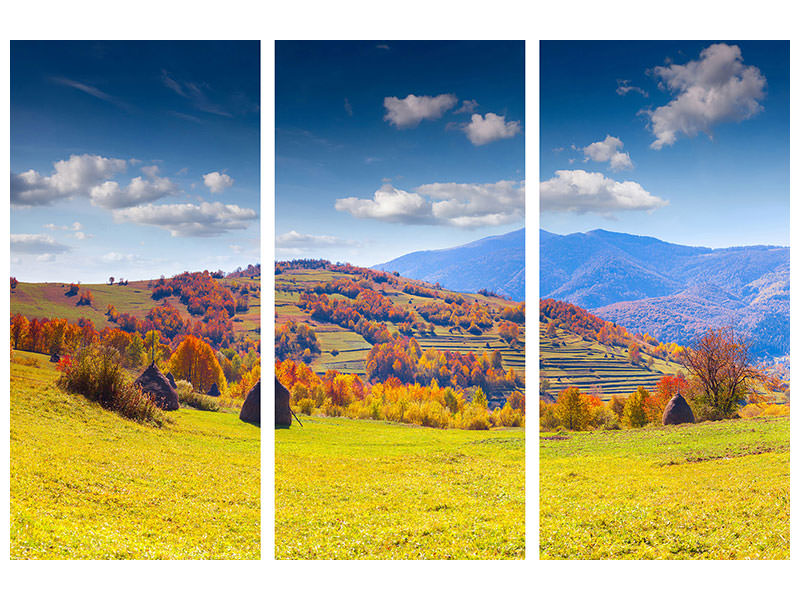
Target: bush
column 187, row 395
column 634, row 414
column 95, row 372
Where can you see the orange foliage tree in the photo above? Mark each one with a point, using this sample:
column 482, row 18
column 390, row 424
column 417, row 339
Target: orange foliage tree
column 195, row 361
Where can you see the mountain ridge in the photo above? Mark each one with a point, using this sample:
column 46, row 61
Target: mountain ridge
column 496, row 263
column 671, row 290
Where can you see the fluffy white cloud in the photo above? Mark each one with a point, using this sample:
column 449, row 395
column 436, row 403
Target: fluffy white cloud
column 476, row 205
column 36, row 243
column 411, row 110
column 581, row 192
column 482, row 130
column 139, row 191
column 205, row 219
column 71, row 177
column 293, row 240
column 450, row 204
column 609, row 150
column 388, row 204
column 217, row 182
column 715, row 89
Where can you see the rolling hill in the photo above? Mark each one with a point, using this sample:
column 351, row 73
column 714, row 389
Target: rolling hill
column 496, row 263
column 671, row 291
column 344, row 350
column 574, row 356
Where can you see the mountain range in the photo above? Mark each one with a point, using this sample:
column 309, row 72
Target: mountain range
column 495, row 263
column 671, row 291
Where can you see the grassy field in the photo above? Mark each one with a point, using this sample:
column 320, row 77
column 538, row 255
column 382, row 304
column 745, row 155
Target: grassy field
column 566, row 359
column 86, row 483
column 374, row 490
column 713, row 491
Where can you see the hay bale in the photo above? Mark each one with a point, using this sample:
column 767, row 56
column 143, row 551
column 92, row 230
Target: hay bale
column 153, row 382
column 251, row 409
column 677, row 412
column 214, row 391
column 54, row 358
column 283, row 414
column 171, row 380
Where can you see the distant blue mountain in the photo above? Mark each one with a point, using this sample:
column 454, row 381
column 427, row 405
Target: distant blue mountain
column 671, row 291
column 495, row 263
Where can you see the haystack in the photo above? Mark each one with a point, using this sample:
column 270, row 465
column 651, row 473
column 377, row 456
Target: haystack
column 677, row 412
column 54, row 357
column 283, row 414
column 251, row 409
column 153, row 382
column 214, row 391
column 171, row 380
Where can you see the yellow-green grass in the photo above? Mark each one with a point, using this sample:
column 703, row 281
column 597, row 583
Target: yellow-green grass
column 373, row 490
column 712, row 491
column 86, row 483
column 566, row 359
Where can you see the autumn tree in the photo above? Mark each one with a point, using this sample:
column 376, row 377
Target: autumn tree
column 19, row 329
column 634, row 414
column 572, row 409
column 720, row 361
column 195, row 361
column 634, row 354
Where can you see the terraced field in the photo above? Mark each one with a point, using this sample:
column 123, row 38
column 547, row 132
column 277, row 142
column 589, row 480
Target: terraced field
column 352, row 349
column 566, row 359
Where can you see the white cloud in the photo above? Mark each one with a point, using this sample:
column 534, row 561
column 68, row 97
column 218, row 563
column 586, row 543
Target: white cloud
column 411, row 110
column 388, row 204
column 717, row 88
column 139, row 191
column 117, row 257
column 72, row 177
column 36, row 243
column 189, row 220
column 492, row 127
column 449, row 204
column 76, row 226
column 581, row 192
column 217, row 182
column 476, row 205
column 81, row 235
column 348, row 108
column 624, row 87
column 467, row 106
column 609, row 151
column 304, row 241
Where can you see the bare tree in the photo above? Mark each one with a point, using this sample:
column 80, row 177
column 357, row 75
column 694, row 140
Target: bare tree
column 721, row 361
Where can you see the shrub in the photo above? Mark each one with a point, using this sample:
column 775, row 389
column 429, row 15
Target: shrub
column 187, row 395
column 95, row 372
column 548, row 418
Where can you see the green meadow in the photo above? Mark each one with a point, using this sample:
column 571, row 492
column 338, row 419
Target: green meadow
column 349, row 489
column 89, row 484
column 715, row 490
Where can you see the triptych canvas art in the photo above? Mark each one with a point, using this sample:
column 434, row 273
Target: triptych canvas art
column 395, row 301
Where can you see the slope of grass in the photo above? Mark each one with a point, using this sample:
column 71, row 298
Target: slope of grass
column 373, row 490
column 86, row 483
column 712, row 490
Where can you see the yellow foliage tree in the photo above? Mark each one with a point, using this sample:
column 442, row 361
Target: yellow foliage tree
column 195, row 361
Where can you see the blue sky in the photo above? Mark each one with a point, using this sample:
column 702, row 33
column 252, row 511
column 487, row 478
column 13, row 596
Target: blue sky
column 133, row 159
column 384, row 148
column 684, row 141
